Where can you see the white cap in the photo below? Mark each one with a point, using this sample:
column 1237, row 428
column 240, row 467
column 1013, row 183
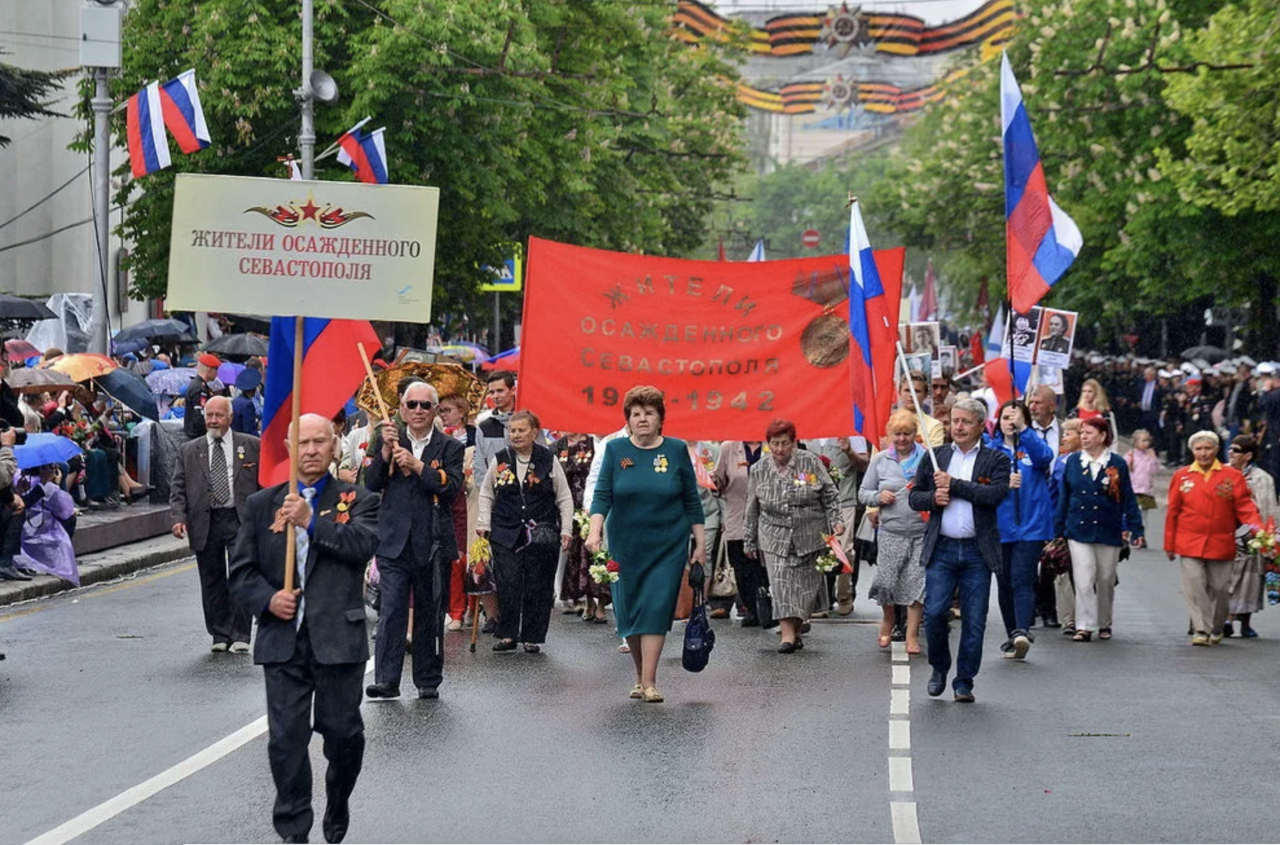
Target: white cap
column 1267, row 368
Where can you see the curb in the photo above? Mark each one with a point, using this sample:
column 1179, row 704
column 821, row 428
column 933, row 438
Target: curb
column 98, row 567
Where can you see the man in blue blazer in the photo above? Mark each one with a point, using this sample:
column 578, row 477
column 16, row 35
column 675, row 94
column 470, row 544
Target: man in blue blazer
column 418, row 471
column 961, row 543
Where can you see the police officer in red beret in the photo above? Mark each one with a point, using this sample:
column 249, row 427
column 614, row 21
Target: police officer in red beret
column 199, row 392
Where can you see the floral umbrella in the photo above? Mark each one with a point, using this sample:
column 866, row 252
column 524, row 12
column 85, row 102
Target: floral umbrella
column 171, row 382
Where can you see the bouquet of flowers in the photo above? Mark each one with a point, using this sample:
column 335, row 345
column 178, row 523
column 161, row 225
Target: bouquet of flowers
column 78, row 430
column 827, row 562
column 479, row 556
column 835, row 473
column 604, row 569
column 1265, row 542
column 582, row 522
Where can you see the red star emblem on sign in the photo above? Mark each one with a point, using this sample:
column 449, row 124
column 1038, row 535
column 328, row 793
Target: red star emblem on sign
column 310, row 210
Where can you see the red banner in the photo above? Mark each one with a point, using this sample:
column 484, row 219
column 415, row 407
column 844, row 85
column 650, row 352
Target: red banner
column 732, row 344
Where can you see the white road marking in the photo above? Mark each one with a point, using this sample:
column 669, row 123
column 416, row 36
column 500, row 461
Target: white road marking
column 134, row 796
column 899, row 651
column 900, row 735
column 899, row 702
column 901, row 676
column 900, row 777
column 906, row 826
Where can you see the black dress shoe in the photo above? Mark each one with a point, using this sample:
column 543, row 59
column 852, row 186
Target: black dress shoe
column 336, row 818
column 750, row 622
column 937, row 683
column 294, row 838
column 489, row 626
column 504, row 645
column 787, row 648
column 428, row 692
column 387, row 690
column 8, row 573
column 964, row 696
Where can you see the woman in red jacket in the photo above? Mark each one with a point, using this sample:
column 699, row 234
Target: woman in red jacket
column 1207, row 502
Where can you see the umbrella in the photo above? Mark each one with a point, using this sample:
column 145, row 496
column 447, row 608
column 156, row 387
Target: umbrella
column 170, row 330
column 128, row 387
column 17, row 308
column 18, row 348
column 29, row 380
column 240, row 345
column 172, row 382
column 509, row 360
column 228, row 371
column 45, row 448
column 1212, row 354
column 83, row 366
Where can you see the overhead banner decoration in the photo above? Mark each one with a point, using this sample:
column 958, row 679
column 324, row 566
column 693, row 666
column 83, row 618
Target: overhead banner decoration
column 345, row 250
column 733, row 345
column 842, row 29
column 839, row 94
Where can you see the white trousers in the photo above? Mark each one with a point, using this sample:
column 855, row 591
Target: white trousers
column 1093, row 566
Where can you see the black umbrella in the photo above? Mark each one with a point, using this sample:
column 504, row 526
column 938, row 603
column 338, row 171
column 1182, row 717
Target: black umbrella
column 241, row 345
column 174, row 331
column 17, row 308
column 1212, row 354
column 128, row 387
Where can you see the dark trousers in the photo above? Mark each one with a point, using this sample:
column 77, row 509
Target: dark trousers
column 291, row 689
column 425, row 578
column 1016, row 585
column 526, row 591
column 10, row 535
column 957, row 563
column 224, row 619
column 749, row 574
column 1046, row 595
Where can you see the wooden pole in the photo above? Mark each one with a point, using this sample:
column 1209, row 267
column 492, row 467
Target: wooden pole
column 290, row 549
column 373, row 383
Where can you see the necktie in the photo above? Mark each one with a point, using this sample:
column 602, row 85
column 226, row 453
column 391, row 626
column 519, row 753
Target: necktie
column 1147, row 395
column 220, row 489
column 302, row 543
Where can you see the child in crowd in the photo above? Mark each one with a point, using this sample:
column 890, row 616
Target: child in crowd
column 1143, row 463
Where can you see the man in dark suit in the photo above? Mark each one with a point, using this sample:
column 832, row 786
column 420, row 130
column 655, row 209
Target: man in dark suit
column 961, row 543
column 1149, row 399
column 418, row 471
column 312, row 640
column 214, row 476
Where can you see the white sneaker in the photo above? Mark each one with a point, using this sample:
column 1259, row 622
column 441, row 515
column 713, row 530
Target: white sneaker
column 239, row 648
column 455, row 625
column 218, row 648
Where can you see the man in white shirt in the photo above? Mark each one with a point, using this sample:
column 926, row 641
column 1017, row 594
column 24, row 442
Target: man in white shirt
column 961, row 546
column 1043, row 404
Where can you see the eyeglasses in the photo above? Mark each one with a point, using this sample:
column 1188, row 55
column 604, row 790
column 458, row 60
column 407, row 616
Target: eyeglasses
column 1235, row 449
column 415, row 404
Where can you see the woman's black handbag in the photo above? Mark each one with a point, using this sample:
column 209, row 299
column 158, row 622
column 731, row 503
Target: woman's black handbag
column 699, row 639
column 764, row 608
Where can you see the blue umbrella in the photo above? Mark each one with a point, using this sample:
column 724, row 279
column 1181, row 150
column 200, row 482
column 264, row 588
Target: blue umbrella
column 129, row 388
column 45, row 448
column 171, row 382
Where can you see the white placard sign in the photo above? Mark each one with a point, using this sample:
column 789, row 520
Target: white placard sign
column 315, row 249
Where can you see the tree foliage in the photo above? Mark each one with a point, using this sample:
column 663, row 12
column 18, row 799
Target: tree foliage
column 25, row 93
column 1138, row 176
column 581, row 122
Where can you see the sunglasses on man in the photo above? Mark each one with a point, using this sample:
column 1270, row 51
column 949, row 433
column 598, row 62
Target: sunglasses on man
column 415, row 404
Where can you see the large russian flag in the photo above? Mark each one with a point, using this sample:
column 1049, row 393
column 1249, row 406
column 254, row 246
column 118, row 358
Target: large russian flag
column 144, row 121
column 183, row 116
column 331, row 374
column 365, row 153
column 873, row 324
column 1041, row 240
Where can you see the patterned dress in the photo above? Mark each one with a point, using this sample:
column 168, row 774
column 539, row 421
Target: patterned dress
column 575, row 459
column 789, row 508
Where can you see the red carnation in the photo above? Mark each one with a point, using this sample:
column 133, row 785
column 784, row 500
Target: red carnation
column 612, row 566
column 826, row 462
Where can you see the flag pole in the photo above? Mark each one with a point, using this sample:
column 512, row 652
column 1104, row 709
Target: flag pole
column 915, row 400
column 290, row 549
column 373, row 382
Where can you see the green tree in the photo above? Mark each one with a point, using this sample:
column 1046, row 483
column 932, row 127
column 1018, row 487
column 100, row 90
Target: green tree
column 581, row 122
column 24, row 93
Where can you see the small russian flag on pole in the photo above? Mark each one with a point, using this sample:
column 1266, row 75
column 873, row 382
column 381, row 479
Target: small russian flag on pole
column 365, row 153
column 173, row 106
column 1041, row 240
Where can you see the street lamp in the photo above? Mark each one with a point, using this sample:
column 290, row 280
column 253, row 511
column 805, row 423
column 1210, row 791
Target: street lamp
column 316, row 85
column 100, row 51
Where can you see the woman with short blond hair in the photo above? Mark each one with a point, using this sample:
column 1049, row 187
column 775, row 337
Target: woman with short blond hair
column 900, row 572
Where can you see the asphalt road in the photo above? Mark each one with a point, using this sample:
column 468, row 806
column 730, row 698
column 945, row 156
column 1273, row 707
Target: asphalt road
column 1143, row 739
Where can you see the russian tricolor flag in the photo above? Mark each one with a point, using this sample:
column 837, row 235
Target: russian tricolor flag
column 331, row 373
column 365, row 153
column 173, row 106
column 1042, row 240
column 873, row 323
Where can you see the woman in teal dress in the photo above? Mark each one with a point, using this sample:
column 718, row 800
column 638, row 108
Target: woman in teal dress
column 649, row 494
